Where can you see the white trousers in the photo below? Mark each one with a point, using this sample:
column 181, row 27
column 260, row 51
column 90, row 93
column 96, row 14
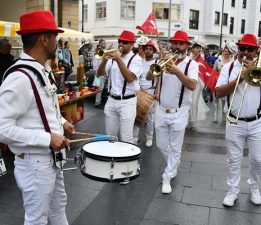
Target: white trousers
column 42, row 187
column 170, row 130
column 119, row 117
column 236, row 137
column 149, row 121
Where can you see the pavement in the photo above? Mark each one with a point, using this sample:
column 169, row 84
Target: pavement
column 196, row 199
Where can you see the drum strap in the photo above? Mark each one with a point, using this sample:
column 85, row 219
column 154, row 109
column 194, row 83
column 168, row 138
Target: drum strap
column 228, row 103
column 125, row 81
column 183, row 87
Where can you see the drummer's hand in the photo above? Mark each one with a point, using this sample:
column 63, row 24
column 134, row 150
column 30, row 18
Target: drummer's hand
column 69, row 128
column 58, row 142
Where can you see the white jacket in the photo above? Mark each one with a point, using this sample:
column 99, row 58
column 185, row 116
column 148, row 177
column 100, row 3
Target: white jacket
column 21, row 126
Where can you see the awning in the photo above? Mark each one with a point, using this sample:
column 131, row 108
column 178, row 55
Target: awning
column 8, row 29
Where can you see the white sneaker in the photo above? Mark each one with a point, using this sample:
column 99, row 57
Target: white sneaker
column 166, row 188
column 255, row 195
column 148, row 143
column 230, row 199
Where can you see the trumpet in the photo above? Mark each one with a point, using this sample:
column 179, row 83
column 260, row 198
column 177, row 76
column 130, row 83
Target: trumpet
column 157, row 68
column 100, row 53
column 252, row 77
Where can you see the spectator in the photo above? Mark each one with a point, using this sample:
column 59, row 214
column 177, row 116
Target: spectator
column 88, row 63
column 210, row 59
column 67, row 58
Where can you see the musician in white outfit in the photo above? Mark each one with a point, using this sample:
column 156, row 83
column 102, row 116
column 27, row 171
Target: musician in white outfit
column 21, row 126
column 248, row 127
column 175, row 92
column 124, row 69
column 149, row 86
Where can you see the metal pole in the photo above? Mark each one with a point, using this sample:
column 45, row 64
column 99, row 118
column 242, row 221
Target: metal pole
column 82, row 15
column 221, row 29
column 169, row 19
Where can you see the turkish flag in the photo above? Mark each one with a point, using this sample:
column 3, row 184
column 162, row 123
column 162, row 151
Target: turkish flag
column 149, row 26
column 212, row 81
column 205, row 70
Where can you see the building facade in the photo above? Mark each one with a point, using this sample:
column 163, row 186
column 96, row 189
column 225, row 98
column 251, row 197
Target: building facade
column 107, row 18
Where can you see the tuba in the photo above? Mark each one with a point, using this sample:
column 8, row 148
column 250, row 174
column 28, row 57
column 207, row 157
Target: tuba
column 100, row 53
column 253, row 78
column 157, row 68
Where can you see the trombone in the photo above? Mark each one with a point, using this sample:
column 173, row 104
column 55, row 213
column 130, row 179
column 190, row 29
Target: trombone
column 157, row 68
column 252, row 77
column 100, row 53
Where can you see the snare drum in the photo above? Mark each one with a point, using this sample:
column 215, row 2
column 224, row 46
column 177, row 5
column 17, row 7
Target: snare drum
column 110, row 161
column 145, row 102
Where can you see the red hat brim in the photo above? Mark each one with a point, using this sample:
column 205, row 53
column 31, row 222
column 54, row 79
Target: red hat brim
column 32, row 31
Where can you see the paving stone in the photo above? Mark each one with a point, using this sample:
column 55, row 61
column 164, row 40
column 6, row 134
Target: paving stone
column 229, row 217
column 193, row 180
column 155, row 222
column 175, row 195
column 169, row 212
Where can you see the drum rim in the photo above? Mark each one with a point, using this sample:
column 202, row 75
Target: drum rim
column 110, row 158
column 108, row 180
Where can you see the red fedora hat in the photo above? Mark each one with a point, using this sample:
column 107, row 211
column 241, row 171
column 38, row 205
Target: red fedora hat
column 37, row 22
column 248, row 39
column 127, row 36
column 151, row 44
column 180, row 36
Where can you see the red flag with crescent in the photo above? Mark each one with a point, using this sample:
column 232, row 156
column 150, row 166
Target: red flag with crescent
column 205, row 70
column 149, row 26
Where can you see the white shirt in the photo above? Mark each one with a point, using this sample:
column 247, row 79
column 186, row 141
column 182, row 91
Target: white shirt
column 171, row 86
column 21, row 126
column 252, row 98
column 116, row 78
column 144, row 83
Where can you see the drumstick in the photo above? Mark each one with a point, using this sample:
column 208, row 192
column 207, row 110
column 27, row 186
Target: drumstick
column 99, row 137
column 83, row 133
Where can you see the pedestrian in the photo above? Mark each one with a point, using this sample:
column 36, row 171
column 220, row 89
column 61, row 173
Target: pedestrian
column 67, row 59
column 226, row 57
column 149, row 87
column 6, row 59
column 88, row 63
column 22, row 126
column 210, row 59
column 247, row 130
column 101, row 79
column 124, row 69
column 177, row 82
column 198, row 107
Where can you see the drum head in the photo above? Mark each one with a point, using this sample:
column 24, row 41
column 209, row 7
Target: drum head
column 115, row 149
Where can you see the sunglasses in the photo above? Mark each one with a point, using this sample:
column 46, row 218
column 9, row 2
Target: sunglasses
column 123, row 42
column 243, row 48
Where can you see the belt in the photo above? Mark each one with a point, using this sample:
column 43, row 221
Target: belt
column 21, row 156
column 247, row 119
column 118, row 97
column 170, row 110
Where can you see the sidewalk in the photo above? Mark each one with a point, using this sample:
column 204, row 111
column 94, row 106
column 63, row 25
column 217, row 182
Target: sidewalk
column 198, row 189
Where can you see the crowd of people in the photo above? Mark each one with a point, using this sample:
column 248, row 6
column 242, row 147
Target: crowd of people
column 32, row 125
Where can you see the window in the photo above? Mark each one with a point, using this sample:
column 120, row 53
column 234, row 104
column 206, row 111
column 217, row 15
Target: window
column 225, row 16
column 259, row 29
column 233, row 3
column 161, row 11
column 244, row 4
column 127, row 9
column 100, row 10
column 217, row 17
column 231, row 25
column 243, row 23
column 193, row 19
column 85, row 12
